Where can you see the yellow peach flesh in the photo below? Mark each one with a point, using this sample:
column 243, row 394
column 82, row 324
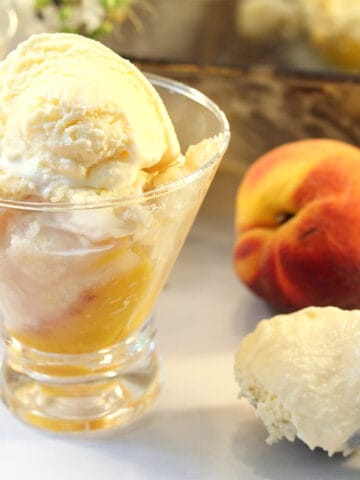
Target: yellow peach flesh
column 102, row 314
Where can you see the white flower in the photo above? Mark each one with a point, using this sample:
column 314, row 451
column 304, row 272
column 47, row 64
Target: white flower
column 89, row 13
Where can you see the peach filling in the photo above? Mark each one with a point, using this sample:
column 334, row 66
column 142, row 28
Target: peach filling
column 103, row 314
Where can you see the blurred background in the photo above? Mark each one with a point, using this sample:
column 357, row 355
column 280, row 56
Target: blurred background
column 280, row 69
column 296, row 34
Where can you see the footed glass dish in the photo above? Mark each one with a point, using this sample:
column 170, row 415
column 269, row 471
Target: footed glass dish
column 77, row 303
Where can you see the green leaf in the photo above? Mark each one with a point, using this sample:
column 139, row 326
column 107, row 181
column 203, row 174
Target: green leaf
column 39, row 4
column 65, row 13
column 66, row 29
column 115, row 4
column 104, row 29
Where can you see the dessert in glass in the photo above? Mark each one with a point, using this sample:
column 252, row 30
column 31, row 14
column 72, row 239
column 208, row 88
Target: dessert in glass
column 96, row 202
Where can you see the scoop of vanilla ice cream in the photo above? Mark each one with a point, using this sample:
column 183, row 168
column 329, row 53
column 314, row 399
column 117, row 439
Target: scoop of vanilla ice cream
column 333, row 17
column 264, row 19
column 302, row 373
column 78, row 121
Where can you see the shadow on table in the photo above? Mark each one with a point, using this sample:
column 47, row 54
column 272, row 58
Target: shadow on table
column 286, row 460
column 220, row 443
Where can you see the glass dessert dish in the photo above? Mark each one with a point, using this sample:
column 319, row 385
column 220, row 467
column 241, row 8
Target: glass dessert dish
column 76, row 304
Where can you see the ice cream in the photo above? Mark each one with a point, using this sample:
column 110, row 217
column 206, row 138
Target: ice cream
column 268, row 19
column 96, row 200
column 78, row 122
column 334, row 28
column 333, row 17
column 80, row 125
column 302, row 373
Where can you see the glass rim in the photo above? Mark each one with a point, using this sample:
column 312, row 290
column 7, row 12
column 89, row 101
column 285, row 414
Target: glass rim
column 12, row 22
column 156, row 81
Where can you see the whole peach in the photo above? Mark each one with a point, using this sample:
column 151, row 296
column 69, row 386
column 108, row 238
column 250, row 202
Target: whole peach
column 298, row 225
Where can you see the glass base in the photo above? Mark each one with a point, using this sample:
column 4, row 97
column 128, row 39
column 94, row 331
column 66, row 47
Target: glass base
column 86, row 392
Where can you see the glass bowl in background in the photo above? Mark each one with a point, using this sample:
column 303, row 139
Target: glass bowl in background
column 8, row 28
column 78, row 283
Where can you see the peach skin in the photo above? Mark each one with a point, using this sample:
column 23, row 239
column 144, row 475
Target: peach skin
column 297, row 225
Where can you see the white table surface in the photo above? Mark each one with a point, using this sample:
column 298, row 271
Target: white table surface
column 198, row 429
